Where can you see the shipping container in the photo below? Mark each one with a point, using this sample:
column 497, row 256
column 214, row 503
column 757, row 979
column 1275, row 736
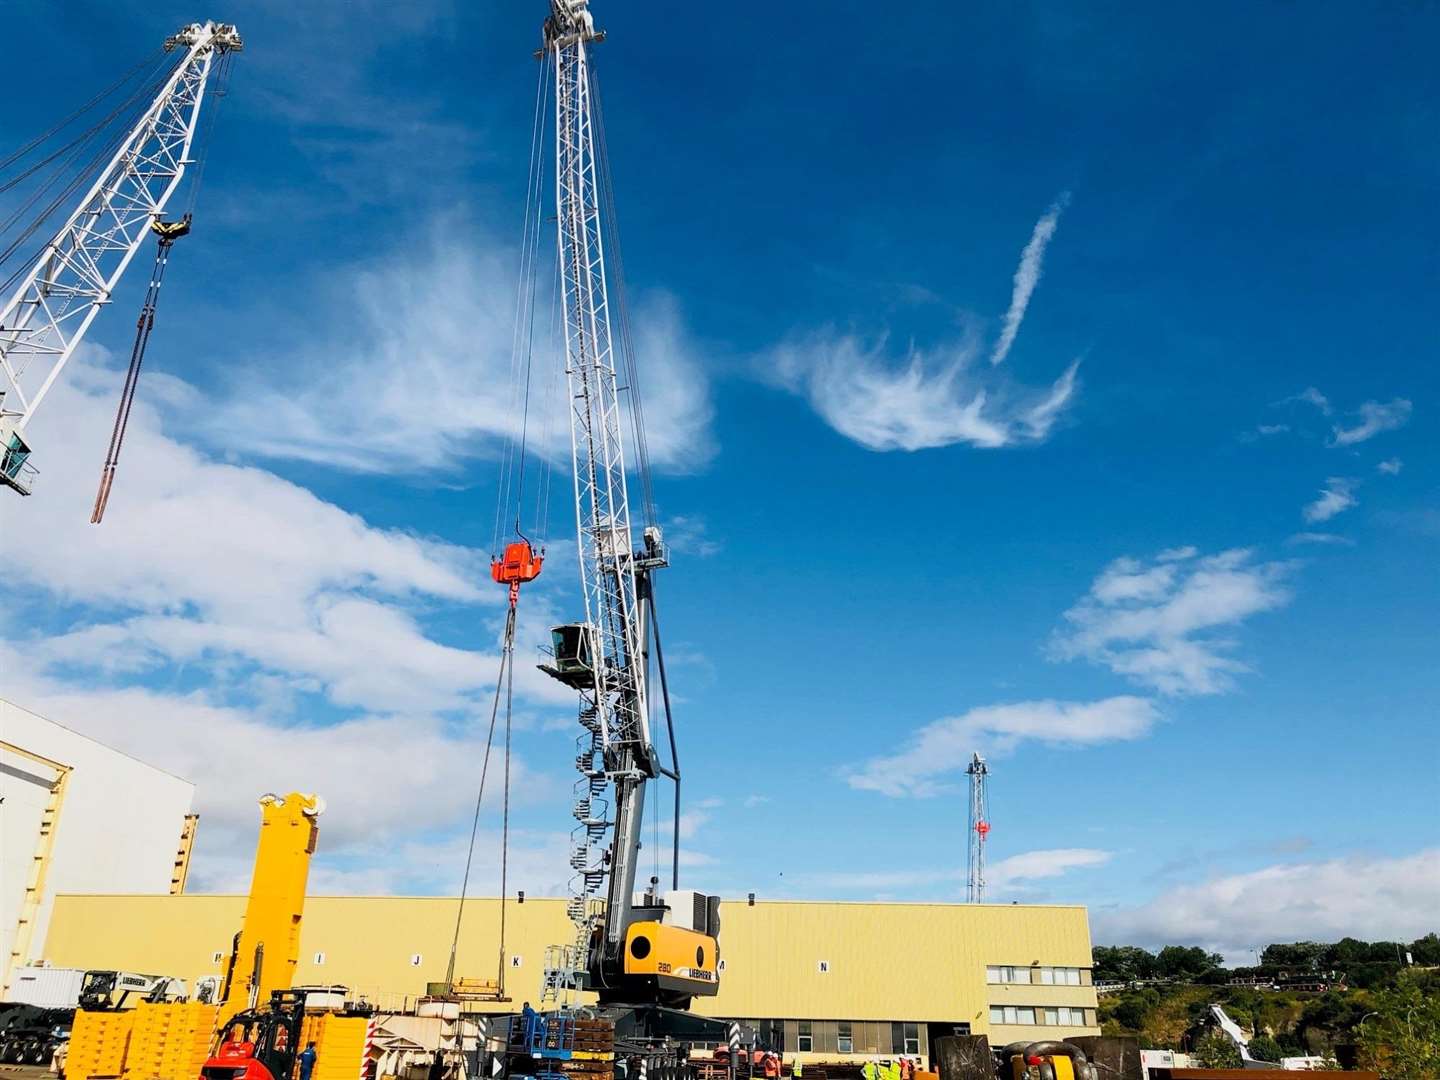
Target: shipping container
column 47, row 987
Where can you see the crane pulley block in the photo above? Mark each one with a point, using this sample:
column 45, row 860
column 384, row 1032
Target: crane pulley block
column 519, row 564
column 171, row 231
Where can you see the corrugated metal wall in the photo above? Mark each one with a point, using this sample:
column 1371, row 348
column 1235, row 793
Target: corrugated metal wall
column 783, row 960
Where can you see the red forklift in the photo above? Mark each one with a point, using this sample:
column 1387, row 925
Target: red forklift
column 259, row 1044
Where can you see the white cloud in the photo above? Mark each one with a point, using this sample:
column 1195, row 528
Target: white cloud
column 1006, row 873
column 1156, row 623
column 1320, row 538
column 1375, row 417
column 1370, row 897
column 926, row 400
column 1027, row 276
column 235, row 569
column 1391, row 466
column 410, row 370
column 1273, row 429
column 383, row 776
column 1336, row 497
column 689, row 534
column 945, row 746
column 1037, row 865
column 1312, row 396
column 230, row 626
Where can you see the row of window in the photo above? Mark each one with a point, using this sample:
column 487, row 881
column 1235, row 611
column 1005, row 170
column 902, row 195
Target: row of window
column 1038, row 976
column 904, row 1038
column 1049, row 1016
column 841, row 1036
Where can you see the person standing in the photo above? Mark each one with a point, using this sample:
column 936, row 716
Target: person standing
column 870, row 1071
column 307, row 1060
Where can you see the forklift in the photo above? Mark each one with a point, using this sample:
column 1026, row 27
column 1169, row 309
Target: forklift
column 259, row 1044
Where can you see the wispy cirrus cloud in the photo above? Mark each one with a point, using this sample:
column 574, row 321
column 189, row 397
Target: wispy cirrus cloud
column 918, row 769
column 1027, row 276
column 920, row 401
column 1390, row 466
column 408, row 366
column 941, row 882
column 1311, row 396
column 921, row 398
column 1374, row 418
column 1163, row 623
column 1331, row 539
column 1337, row 496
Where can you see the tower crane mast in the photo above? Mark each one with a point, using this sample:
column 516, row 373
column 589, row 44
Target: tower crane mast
column 658, row 950
column 75, row 274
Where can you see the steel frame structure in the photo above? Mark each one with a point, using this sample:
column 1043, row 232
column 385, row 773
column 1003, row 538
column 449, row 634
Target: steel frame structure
column 615, row 746
column 979, row 772
column 76, row 273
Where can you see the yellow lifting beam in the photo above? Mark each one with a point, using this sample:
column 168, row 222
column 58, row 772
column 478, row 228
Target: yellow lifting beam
column 267, row 948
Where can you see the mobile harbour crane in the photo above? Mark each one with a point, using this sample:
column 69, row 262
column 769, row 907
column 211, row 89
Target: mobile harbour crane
column 646, row 956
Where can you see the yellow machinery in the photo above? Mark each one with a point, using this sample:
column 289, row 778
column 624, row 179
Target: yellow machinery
column 267, row 948
column 170, row 1041
column 1045, row 1060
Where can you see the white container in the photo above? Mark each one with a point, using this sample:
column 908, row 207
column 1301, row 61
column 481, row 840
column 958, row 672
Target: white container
column 48, row 987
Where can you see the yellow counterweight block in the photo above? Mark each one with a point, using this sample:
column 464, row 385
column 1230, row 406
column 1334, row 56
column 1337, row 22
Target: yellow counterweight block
column 676, row 958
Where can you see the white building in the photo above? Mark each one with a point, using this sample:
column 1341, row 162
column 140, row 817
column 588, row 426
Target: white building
column 79, row 817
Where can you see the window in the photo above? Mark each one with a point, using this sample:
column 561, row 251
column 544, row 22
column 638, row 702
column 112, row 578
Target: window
column 1006, row 974
column 1049, row 1015
column 805, row 1040
column 1059, row 976
column 845, row 1038
column 911, row 1039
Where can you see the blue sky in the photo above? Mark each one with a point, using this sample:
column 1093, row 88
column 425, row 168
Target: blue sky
column 1164, row 548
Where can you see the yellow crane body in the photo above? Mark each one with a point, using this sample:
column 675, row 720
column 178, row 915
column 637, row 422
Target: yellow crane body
column 267, row 948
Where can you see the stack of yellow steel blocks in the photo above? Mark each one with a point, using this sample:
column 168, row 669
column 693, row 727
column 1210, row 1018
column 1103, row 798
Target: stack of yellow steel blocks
column 169, row 1041
column 98, row 1041
column 341, row 1045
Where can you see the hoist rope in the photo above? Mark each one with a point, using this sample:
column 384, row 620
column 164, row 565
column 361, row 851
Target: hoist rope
column 219, row 80
column 80, row 177
column 143, row 327
column 504, row 679
column 610, row 225
column 146, row 323
column 61, row 125
column 509, row 494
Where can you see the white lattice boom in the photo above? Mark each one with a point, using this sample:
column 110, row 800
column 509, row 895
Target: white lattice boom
column 75, row 275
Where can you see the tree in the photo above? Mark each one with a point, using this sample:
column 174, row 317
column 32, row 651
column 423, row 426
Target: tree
column 1426, row 950
column 1121, row 963
column 1215, row 1051
column 1297, row 956
column 1181, row 962
column 1400, row 1038
column 1264, row 1048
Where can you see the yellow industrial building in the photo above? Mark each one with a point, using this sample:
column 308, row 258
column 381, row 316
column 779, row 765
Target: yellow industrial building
column 824, row 980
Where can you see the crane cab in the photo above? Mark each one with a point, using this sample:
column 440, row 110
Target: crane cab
column 572, row 646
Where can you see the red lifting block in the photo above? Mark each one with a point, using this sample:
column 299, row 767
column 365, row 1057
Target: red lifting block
column 519, row 563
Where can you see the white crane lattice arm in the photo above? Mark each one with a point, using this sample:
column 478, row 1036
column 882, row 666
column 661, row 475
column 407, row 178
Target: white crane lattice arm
column 47, row 315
